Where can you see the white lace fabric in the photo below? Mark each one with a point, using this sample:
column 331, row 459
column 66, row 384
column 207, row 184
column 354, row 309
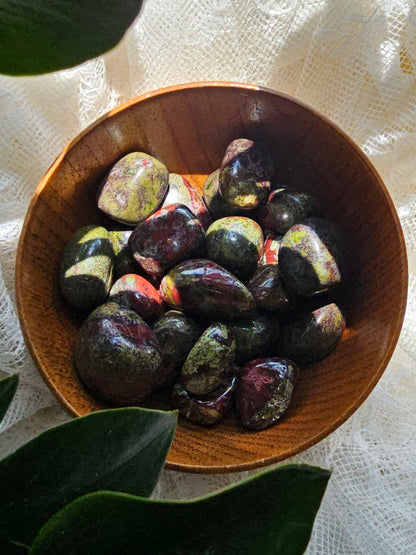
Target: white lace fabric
column 353, row 61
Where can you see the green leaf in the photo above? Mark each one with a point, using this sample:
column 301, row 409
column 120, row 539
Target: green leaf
column 8, row 388
column 119, row 449
column 39, row 36
column 270, row 513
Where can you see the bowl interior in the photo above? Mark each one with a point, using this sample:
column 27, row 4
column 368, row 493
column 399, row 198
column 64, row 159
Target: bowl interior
column 188, row 128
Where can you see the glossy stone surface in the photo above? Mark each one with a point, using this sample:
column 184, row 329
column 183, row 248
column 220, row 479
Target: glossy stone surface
column 135, row 292
column 205, row 289
column 310, row 256
column 245, row 174
column 311, row 336
column 217, row 206
column 286, row 208
column 264, row 391
column 166, row 237
column 86, row 268
column 209, row 360
column 269, row 290
column 271, row 249
column 124, row 262
column 236, row 243
column 182, row 192
column 177, row 333
column 253, row 336
column 117, row 355
column 208, row 409
column 134, row 188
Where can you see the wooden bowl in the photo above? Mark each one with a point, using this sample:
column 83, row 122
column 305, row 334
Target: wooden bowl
column 188, row 128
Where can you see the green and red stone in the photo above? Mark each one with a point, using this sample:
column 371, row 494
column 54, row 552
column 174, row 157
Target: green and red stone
column 264, row 391
column 168, row 236
column 208, row 409
column 203, row 288
column 269, row 290
column 253, row 336
column 213, row 199
column 124, row 262
column 209, row 360
column 271, row 249
column 134, row 188
column 311, row 336
column 86, row 269
column 182, row 192
column 117, row 355
column 310, row 256
column 245, row 173
column 177, row 333
column 236, row 243
column 135, row 292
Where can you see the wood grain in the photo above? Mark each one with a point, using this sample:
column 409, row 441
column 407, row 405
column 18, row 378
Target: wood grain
column 188, row 128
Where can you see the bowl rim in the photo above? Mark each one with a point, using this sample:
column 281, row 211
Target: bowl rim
column 393, row 340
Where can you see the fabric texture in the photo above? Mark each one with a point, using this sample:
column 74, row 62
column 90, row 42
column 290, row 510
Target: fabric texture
column 353, row 61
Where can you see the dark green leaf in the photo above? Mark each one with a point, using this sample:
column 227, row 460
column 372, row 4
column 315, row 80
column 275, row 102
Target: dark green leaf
column 120, row 450
column 270, row 513
column 38, row 36
column 8, row 388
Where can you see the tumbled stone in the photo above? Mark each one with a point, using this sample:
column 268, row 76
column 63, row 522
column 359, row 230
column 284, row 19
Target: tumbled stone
column 117, row 355
column 209, row 360
column 236, row 243
column 124, row 262
column 134, row 188
column 271, row 249
column 203, row 288
column 264, row 391
column 245, row 174
column 208, row 409
column 86, row 268
column 253, row 336
column 182, row 192
column 213, row 199
column 310, row 256
column 177, row 333
column 269, row 290
column 166, row 237
column 135, row 292
column 311, row 336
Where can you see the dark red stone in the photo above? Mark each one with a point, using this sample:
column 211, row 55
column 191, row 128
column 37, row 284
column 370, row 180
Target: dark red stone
column 269, row 290
column 168, row 236
column 182, row 192
column 135, row 292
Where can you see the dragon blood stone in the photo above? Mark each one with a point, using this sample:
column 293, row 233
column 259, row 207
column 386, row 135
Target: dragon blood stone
column 245, row 173
column 311, row 336
column 117, row 355
column 310, row 256
column 177, row 333
column 264, row 391
column 168, row 236
column 253, row 336
column 217, row 206
column 86, row 268
column 236, row 243
column 135, row 292
column 207, row 409
column 210, row 358
column 182, row 192
column 271, row 249
column 134, row 188
column 269, row 290
column 205, row 289
column 124, row 262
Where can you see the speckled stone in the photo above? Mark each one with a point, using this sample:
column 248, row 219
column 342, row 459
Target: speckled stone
column 206, row 410
column 117, row 355
column 236, row 243
column 134, row 188
column 213, row 199
column 310, row 256
column 271, row 249
column 245, row 174
column 264, row 391
column 166, row 237
column 86, row 268
column 253, row 336
column 182, row 192
column 124, row 262
column 202, row 288
column 269, row 290
column 135, row 292
column 311, row 336
column 177, row 333
column 209, row 360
